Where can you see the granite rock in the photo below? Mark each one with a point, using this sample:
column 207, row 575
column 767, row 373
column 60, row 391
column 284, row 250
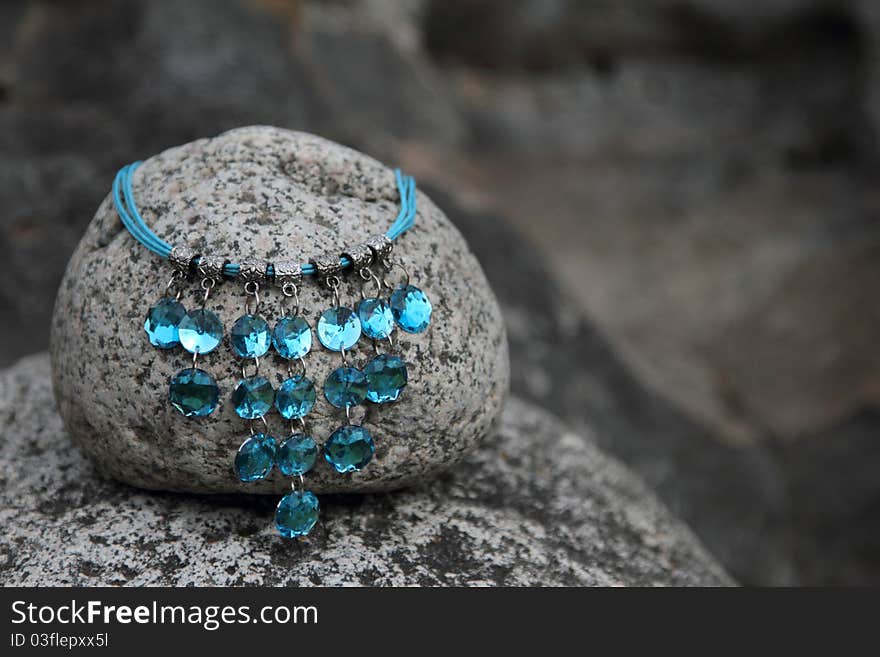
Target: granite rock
column 534, row 505
column 271, row 194
column 734, row 498
column 620, row 126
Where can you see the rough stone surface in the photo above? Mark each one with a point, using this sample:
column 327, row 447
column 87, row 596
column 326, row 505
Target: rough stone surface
column 687, row 166
column 534, row 505
column 271, row 194
column 733, row 496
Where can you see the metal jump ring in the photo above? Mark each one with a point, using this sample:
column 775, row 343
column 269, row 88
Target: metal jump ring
column 252, row 289
column 251, row 425
column 374, row 279
column 302, row 363
column 290, row 291
column 176, row 276
column 256, row 368
column 207, row 285
column 332, row 281
column 392, row 266
column 390, row 345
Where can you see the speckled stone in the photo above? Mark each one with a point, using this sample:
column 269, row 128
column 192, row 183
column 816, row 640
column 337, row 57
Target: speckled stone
column 271, row 194
column 534, row 504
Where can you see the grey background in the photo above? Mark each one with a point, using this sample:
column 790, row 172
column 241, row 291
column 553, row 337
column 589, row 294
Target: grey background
column 675, row 201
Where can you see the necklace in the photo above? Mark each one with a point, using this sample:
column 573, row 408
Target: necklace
column 383, row 308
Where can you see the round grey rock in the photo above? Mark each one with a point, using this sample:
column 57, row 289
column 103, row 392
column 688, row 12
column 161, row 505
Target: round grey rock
column 278, row 195
column 533, row 505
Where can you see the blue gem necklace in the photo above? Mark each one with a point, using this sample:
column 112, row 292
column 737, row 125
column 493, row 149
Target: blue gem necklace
column 383, row 308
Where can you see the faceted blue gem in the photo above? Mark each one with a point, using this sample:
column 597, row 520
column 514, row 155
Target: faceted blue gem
column 249, row 336
column 411, row 308
column 296, row 455
column 376, row 318
column 200, row 331
column 162, row 322
column 292, row 337
column 296, row 514
column 339, row 328
column 345, row 386
column 193, row 392
column 349, row 448
column 386, row 378
column 253, row 397
column 295, row 397
column 255, row 457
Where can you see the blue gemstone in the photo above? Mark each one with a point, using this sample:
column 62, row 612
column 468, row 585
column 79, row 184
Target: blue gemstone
column 295, row 397
column 376, row 318
column 193, row 392
column 411, row 308
column 346, row 386
column 386, row 378
column 339, row 328
column 162, row 322
column 349, row 448
column 200, row 331
column 296, row 455
column 292, row 337
column 253, row 397
column 250, row 336
column 255, row 457
column 296, row 514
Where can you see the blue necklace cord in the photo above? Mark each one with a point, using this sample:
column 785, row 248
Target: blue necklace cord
column 126, row 208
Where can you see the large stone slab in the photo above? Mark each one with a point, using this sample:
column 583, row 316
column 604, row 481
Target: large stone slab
column 534, row 505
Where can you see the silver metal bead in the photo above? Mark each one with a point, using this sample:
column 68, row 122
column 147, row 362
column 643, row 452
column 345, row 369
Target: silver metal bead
column 181, row 257
column 211, row 266
column 250, row 270
column 326, row 265
column 381, row 247
column 287, row 271
column 361, row 256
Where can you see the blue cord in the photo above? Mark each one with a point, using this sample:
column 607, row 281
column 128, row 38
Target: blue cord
column 123, row 199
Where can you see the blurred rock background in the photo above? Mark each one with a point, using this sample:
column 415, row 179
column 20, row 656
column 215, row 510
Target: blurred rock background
column 676, row 201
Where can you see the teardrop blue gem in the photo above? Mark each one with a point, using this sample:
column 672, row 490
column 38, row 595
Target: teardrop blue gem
column 345, row 386
column 253, row 397
column 193, row 392
column 339, row 328
column 349, row 448
column 292, row 337
column 249, row 336
column 296, row 455
column 411, row 308
column 376, row 318
column 255, row 457
column 295, row 397
column 296, row 514
column 386, row 378
column 200, row 331
column 162, row 323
